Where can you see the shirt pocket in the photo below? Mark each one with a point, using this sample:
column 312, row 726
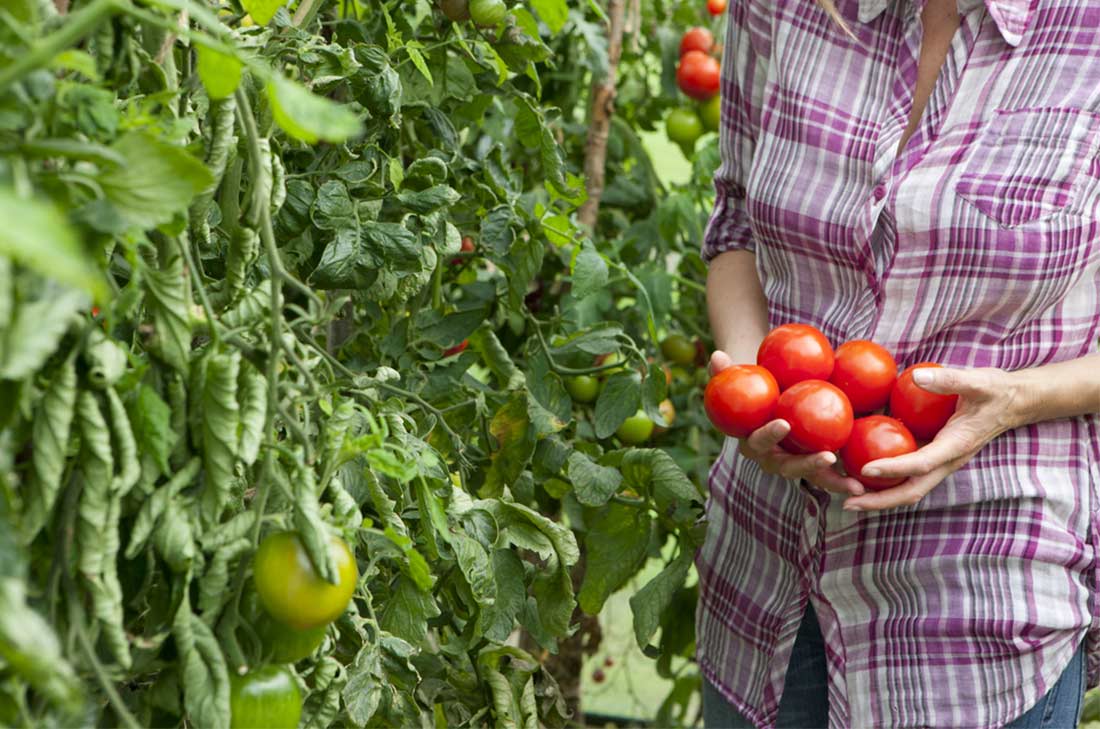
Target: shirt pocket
column 1025, row 164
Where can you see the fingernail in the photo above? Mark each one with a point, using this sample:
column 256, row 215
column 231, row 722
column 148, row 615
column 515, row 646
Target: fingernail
column 872, row 472
column 852, row 507
column 826, row 460
column 922, row 376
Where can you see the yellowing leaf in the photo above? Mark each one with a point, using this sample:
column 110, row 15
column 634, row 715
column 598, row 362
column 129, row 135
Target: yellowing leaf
column 262, row 11
column 308, row 117
column 219, row 72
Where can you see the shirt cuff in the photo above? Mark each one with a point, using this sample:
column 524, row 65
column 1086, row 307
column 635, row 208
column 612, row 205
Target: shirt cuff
column 728, row 228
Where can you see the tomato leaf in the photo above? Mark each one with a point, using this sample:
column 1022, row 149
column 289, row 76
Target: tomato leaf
column 515, row 442
column 592, row 483
column 552, row 12
column 589, row 271
column 408, row 611
column 220, row 422
column 617, row 543
column 262, row 11
column 53, row 420
column 219, row 72
column 307, row 116
column 618, row 400
column 168, row 300
column 497, row 620
column 36, row 330
column 652, row 600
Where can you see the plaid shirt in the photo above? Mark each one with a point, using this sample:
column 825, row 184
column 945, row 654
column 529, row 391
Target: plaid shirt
column 978, row 245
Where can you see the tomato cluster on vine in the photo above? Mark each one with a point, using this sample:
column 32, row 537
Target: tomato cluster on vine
column 833, row 400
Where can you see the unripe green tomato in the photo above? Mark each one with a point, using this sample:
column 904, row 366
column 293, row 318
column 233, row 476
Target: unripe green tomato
column 488, row 13
column 290, row 589
column 678, row 349
column 636, row 429
column 582, row 388
column 265, row 698
column 711, row 113
column 611, row 358
column 283, row 644
column 455, row 10
column 684, row 126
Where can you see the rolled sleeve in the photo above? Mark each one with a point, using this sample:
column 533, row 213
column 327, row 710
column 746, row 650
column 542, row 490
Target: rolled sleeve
column 744, row 75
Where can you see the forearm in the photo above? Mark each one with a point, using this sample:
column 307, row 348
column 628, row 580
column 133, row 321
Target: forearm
column 736, row 304
column 1061, row 390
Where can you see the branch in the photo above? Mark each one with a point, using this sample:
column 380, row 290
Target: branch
column 603, row 107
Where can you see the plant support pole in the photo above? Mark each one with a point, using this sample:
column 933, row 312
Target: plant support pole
column 601, row 111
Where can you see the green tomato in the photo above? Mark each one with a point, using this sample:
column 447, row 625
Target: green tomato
column 678, row 349
column 636, row 429
column 291, row 590
column 283, row 644
column 684, row 127
column 488, row 13
column 455, row 10
column 582, row 388
column 266, row 698
column 711, row 113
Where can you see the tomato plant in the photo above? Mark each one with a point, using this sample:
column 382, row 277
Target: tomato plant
column 865, row 372
column 874, row 437
column 582, row 388
column 698, row 75
column 636, row 429
column 740, row 399
column 488, row 13
column 265, row 698
column 923, row 412
column 678, row 349
column 711, row 113
column 819, row 414
column 796, row 352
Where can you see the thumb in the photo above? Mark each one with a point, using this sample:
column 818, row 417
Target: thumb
column 719, row 361
column 944, row 381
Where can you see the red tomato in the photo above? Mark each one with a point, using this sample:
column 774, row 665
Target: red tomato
column 874, row 437
column 865, row 372
column 697, row 39
column 740, row 399
column 819, row 414
column 467, row 247
column 796, row 352
column 698, row 75
column 457, row 349
column 923, row 412
column 716, row 7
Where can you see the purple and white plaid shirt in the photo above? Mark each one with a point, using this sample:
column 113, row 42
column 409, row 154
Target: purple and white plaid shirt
column 978, row 245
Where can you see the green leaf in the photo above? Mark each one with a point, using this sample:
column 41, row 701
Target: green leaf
column 219, row 72
column 53, row 420
column 152, row 421
column 36, row 331
column 552, row 12
column 367, row 685
column 474, row 562
column 308, row 117
column 652, row 471
column 618, row 400
column 262, row 11
column 589, row 271
column 653, row 599
column 413, row 48
column 220, row 421
column 157, row 181
column 430, row 200
column 37, row 235
column 497, row 620
column 407, row 612
column 30, row 649
column 168, row 301
column 592, row 483
column 617, row 543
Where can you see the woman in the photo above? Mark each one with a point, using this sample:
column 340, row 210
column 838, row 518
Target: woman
column 924, row 175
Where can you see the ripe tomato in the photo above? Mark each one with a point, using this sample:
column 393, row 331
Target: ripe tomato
column 698, row 75
column 283, row 644
column 684, row 127
column 487, row 13
column 874, row 437
column 716, row 7
column 796, row 352
column 467, row 247
column 697, row 39
column 819, row 414
column 457, row 349
column 923, row 412
column 598, row 676
column 711, row 113
column 291, row 590
column 582, row 388
column 636, row 429
column 678, row 349
column 740, row 399
column 865, row 372
column 265, row 698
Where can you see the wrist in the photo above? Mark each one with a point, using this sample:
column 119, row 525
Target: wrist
column 1024, row 392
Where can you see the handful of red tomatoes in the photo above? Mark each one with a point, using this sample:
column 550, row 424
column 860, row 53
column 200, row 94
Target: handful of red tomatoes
column 832, row 399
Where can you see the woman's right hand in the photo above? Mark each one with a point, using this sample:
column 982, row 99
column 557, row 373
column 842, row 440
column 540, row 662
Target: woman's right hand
column 762, row 446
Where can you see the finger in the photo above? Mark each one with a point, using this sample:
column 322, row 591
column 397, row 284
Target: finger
column 765, row 438
column 799, row 467
column 828, row 479
column 947, row 446
column 949, row 381
column 719, row 361
column 907, row 493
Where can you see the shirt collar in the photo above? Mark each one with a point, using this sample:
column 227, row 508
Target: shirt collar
column 1011, row 16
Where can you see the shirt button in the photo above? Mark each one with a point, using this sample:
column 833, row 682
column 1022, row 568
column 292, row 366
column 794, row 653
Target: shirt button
column 880, row 191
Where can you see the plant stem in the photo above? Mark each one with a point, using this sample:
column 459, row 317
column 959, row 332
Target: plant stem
column 78, row 25
column 185, row 249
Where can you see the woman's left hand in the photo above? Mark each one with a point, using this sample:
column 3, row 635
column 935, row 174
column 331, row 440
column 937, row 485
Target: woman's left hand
column 989, row 404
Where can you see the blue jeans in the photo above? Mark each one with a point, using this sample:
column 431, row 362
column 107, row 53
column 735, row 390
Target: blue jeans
column 805, row 701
